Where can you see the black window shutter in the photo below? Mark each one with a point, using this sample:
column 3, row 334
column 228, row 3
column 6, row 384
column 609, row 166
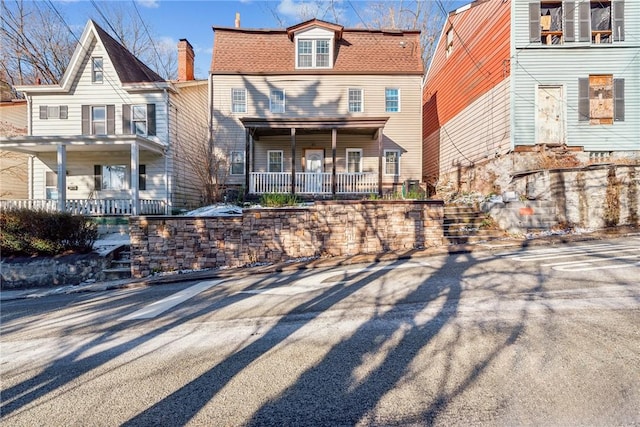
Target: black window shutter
column 534, row 22
column 44, row 112
column 111, row 119
column 618, row 21
column 618, row 100
column 569, row 21
column 583, row 100
column 585, row 21
column 86, row 128
column 142, row 177
column 126, row 119
column 97, row 177
column 64, row 112
column 151, row 119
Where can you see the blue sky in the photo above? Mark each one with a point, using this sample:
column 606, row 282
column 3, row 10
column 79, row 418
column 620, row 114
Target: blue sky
column 174, row 20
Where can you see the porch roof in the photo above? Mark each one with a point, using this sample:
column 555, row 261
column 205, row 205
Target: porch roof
column 41, row 144
column 261, row 126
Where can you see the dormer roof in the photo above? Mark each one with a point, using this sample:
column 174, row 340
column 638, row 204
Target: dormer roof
column 315, row 23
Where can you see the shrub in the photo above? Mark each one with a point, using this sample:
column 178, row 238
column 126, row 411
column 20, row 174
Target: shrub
column 278, row 200
column 29, row 232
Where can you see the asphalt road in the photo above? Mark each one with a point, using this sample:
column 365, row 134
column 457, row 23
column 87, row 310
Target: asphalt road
column 540, row 336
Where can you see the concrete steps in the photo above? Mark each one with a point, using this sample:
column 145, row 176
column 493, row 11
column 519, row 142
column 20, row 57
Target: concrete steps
column 466, row 224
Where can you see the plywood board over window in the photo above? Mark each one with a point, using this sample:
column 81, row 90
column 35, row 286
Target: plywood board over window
column 601, row 99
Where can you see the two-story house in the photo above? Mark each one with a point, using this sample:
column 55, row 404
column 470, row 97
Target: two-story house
column 13, row 166
column 113, row 137
column 317, row 109
column 510, row 79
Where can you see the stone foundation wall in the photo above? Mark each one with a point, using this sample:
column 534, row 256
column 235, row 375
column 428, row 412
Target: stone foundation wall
column 275, row 235
column 46, row 272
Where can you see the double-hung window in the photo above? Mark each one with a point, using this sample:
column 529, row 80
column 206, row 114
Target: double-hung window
column 97, row 70
column 276, row 101
column 354, row 160
column 392, row 100
column 98, row 120
column 114, row 177
column 313, row 53
column 392, row 162
column 51, row 185
column 238, row 100
column 356, row 104
column 237, row 162
column 275, row 159
column 139, row 119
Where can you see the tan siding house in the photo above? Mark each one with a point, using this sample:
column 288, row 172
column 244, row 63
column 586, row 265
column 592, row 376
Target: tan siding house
column 13, row 166
column 317, row 109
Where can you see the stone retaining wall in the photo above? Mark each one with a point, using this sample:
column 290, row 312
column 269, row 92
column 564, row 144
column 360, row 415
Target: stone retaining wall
column 327, row 228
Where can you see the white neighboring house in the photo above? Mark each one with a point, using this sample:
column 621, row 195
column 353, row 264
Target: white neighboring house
column 113, row 137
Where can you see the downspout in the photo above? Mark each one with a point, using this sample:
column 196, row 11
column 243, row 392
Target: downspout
column 168, row 181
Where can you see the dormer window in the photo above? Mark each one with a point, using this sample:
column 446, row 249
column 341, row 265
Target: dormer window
column 313, row 53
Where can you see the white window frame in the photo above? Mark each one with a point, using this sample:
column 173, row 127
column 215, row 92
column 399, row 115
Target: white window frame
column 272, row 104
column 233, row 155
column 281, row 152
column 449, row 41
column 386, row 100
column 354, row 150
column 107, row 175
column 242, row 106
column 94, row 121
column 97, row 69
column 314, row 52
column 135, row 120
column 51, row 189
column 361, row 91
column 386, row 163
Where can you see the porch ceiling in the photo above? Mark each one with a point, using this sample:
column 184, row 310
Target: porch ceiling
column 366, row 126
column 45, row 144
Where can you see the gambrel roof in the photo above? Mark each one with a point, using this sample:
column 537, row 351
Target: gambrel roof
column 357, row 51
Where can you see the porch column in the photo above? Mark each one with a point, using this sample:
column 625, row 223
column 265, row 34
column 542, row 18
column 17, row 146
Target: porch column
column 334, row 143
column 135, row 184
column 247, row 161
column 62, row 177
column 380, row 154
column 293, row 160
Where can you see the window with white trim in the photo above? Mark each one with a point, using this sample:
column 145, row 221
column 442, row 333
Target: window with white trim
column 313, row 53
column 54, row 112
column 275, row 159
column 277, row 101
column 98, row 120
column 238, row 100
column 354, row 160
column 392, row 162
column 356, row 104
column 139, row 119
column 51, row 185
column 449, row 41
column 97, row 70
column 237, row 163
column 392, row 100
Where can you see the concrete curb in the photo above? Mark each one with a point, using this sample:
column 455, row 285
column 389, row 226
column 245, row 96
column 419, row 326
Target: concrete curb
column 489, row 246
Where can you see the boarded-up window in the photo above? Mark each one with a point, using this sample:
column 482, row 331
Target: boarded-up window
column 601, row 99
column 551, row 23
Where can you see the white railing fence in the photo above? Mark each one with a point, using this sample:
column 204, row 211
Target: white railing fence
column 312, row 183
column 91, row 207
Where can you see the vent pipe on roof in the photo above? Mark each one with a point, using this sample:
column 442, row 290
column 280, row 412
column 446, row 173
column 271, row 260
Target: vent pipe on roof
column 185, row 61
column 237, row 19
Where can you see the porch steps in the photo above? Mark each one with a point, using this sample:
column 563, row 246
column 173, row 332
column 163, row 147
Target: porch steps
column 467, row 224
column 120, row 267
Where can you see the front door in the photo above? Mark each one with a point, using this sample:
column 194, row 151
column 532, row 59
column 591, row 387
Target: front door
column 314, row 166
column 550, row 115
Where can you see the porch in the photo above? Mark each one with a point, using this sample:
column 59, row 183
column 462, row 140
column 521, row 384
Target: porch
column 89, row 207
column 304, row 154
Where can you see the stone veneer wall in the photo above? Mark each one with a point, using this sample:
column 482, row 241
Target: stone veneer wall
column 326, row 228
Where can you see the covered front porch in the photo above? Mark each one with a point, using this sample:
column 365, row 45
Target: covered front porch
column 309, row 162
column 93, row 175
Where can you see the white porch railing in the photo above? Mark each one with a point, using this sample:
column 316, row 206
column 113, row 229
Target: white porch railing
column 313, row 183
column 91, row 207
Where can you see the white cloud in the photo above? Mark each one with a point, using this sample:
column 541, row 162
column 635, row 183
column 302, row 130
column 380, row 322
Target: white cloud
column 298, row 9
column 151, row 4
column 302, row 10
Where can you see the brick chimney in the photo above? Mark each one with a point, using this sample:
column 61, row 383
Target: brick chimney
column 237, row 19
column 185, row 61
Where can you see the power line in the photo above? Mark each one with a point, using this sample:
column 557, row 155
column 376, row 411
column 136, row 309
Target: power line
column 153, row 45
